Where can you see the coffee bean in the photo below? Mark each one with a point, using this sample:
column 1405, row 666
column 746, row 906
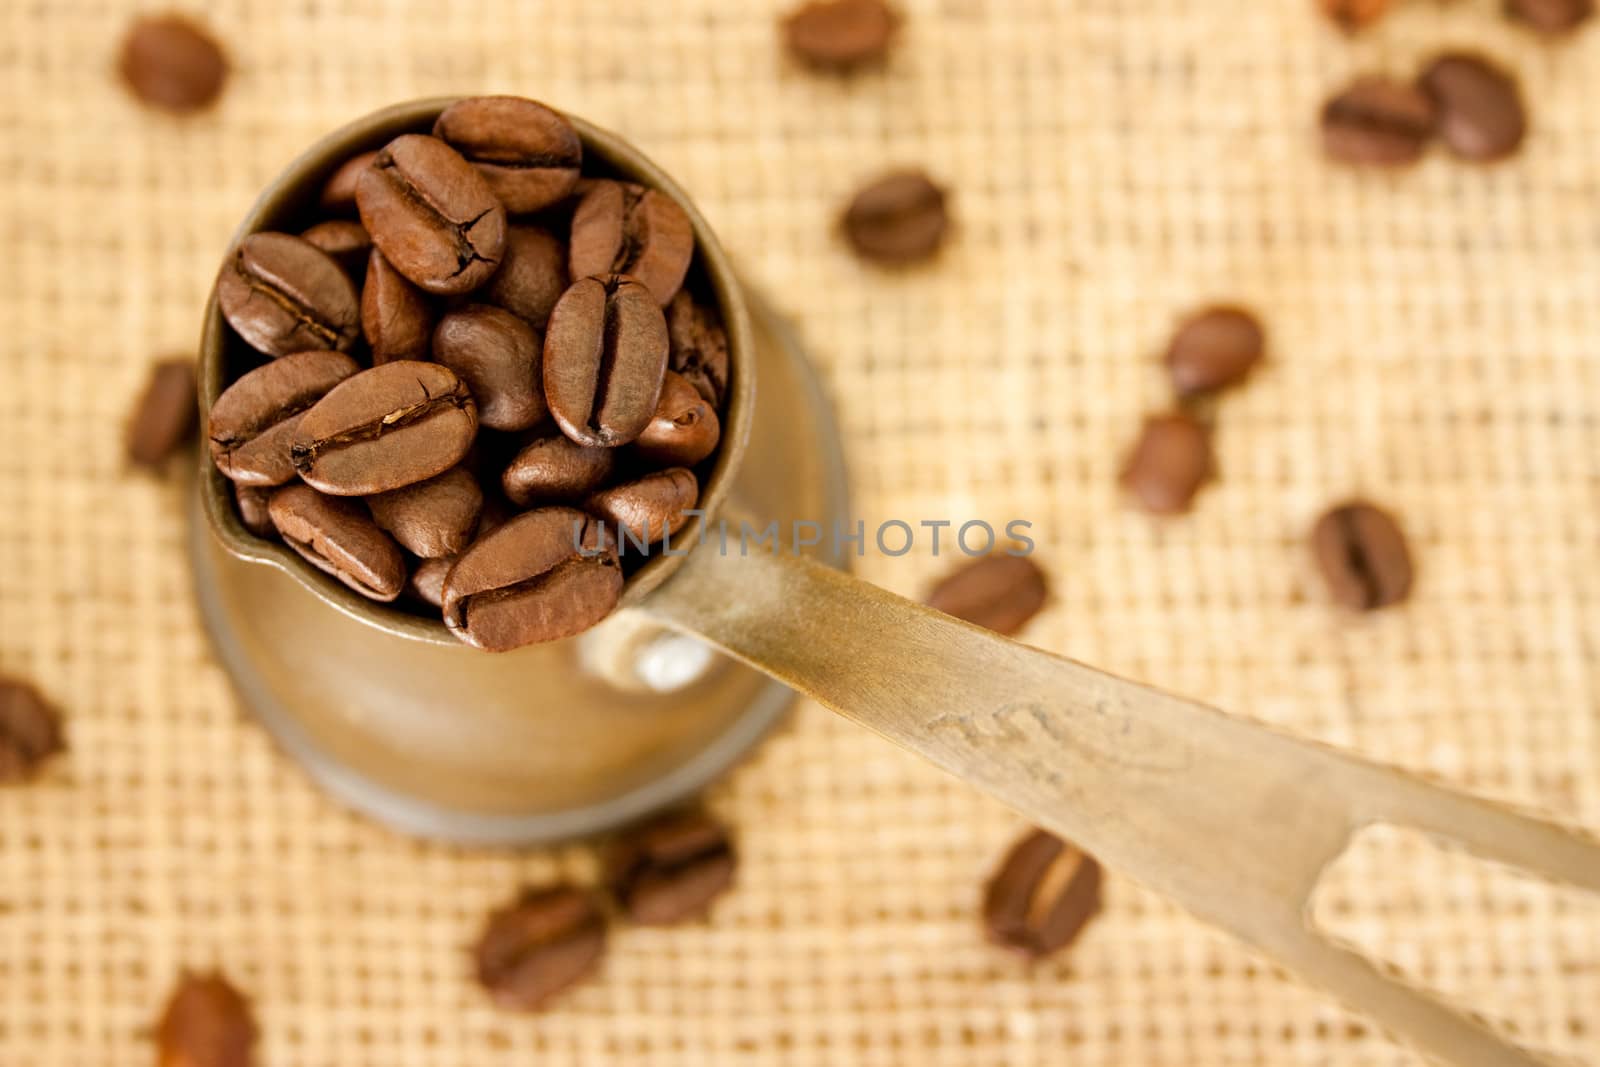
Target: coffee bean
column 252, row 500
column 253, row 422
column 1214, row 348
column 1481, row 116
column 539, row 945
column 898, row 219
column 605, row 356
column 338, row 537
column 500, row 358
column 1363, row 556
column 532, row 275
column 387, row 427
column 283, row 294
column 528, row 153
column 1170, row 463
column 529, row 581
column 165, row 417
column 30, row 731
column 650, row 508
column 840, row 34
column 670, row 869
column 1354, row 14
column 999, row 592
column 698, row 347
column 684, row 429
column 1043, row 895
column 172, row 63
column 427, row 580
column 1551, row 16
column 346, row 241
column 622, row 228
column 396, row 317
column 433, row 518
column 207, row 1023
column 432, row 215
column 1377, row 121
column 556, row 470
column 339, row 193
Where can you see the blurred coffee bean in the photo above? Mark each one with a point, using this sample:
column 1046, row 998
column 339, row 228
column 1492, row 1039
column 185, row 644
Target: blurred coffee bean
column 339, row 193
column 283, row 294
column 1377, row 121
column 605, row 356
column 499, row 357
column 529, row 154
column 396, row 316
column 999, row 592
column 556, row 469
column 1551, row 16
column 346, row 241
column 622, row 228
column 164, row 419
column 698, row 347
column 1214, row 348
column 1363, row 556
column 252, row 501
column 1480, row 109
column 1354, row 14
column 1169, row 464
column 684, row 429
column 670, row 869
column 840, row 34
column 647, row 509
column 338, row 537
column 433, row 518
column 1042, row 896
column 253, row 422
column 898, row 219
column 207, row 1023
column 170, row 62
column 532, row 275
column 539, row 945
column 30, row 731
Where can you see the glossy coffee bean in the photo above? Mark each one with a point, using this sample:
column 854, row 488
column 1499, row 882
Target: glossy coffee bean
column 1354, row 14
column 529, row 154
column 338, row 196
column 1551, row 16
column 253, row 422
column 605, row 356
column 1377, row 122
column 622, row 228
column 206, row 1023
column 432, row 215
column 345, row 240
column 433, row 518
column 283, row 294
column 532, row 275
column 698, row 347
column 30, row 731
column 556, row 470
column 426, row 582
column 999, row 592
column 840, row 34
column 1363, row 557
column 539, row 945
column 251, row 502
column 1169, row 464
column 499, row 357
column 164, row 418
column 1042, row 896
column 684, row 429
column 671, row 869
column 1481, row 116
column 338, row 537
column 387, row 427
column 173, row 63
column 396, row 316
column 898, row 219
column 1213, row 349
column 647, row 509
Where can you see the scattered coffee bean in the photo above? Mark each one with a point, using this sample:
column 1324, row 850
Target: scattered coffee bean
column 1379, row 122
column 165, row 417
column 544, row 575
column 434, row 518
column 339, row 194
column 427, row 580
column 432, row 215
column 345, row 240
column 1480, row 110
column 1043, row 895
column 1169, row 464
column 999, row 592
column 172, row 63
column 283, row 294
column 1551, row 16
column 338, row 537
column 532, row 275
column 1214, row 348
column 1354, row 14
column 499, row 358
column 540, row 945
column 253, row 422
column 396, row 316
column 605, row 356
column 556, row 470
column 385, row 428
column 529, row 154
column 840, row 34
column 898, row 219
column 698, row 347
column 670, row 869
column 650, row 508
column 622, row 228
column 684, row 429
column 207, row 1023
column 1363, row 556
column 30, row 731
column 252, row 500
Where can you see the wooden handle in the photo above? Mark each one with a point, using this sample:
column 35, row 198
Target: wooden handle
column 1233, row 821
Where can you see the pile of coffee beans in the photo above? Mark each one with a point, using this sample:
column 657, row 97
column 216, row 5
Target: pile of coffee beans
column 484, row 377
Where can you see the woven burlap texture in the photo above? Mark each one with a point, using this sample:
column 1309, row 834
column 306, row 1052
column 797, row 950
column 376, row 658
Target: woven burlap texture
column 1112, row 164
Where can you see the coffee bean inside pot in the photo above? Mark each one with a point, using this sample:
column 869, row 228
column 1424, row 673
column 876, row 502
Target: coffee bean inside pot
column 670, row 869
column 1042, row 896
column 30, row 731
column 999, row 592
column 539, row 945
column 499, row 358
column 622, row 228
column 532, row 275
column 251, row 502
column 396, row 316
column 556, row 469
column 684, row 429
column 898, row 219
column 165, row 416
column 529, row 154
column 338, row 537
column 649, row 509
column 283, row 294
column 1481, row 116
column 253, row 423
column 605, row 355
column 840, row 34
column 1214, row 348
column 698, row 346
column 1363, row 556
column 346, row 241
column 1169, row 464
column 433, row 518
column 338, row 195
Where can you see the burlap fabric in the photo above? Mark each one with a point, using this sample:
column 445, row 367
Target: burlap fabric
column 1112, row 164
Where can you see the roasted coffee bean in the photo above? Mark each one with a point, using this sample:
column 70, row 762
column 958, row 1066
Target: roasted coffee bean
column 544, row 575
column 30, row 731
column 684, row 429
column 207, row 1023
column 622, row 228
column 432, row 215
column 532, row 275
column 528, row 153
column 165, row 417
column 1551, row 16
column 500, row 358
column 338, row 537
column 999, row 592
column 1363, row 556
column 1377, row 121
column 556, row 470
column 670, row 869
column 284, row 294
column 1214, row 348
column 605, row 356
column 698, row 347
column 252, row 501
column 253, row 422
column 171, row 63
column 840, row 34
column 1481, row 116
column 346, row 240
column 1354, row 14
column 1043, row 895
column 1170, row 463
column 900, row 218
column 432, row 518
column 427, row 580
column 339, row 193
column 539, row 945
column 385, row 428
column 649, row 509
column 396, row 316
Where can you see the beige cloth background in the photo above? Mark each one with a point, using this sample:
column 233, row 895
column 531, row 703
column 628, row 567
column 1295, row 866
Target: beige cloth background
column 1113, row 163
